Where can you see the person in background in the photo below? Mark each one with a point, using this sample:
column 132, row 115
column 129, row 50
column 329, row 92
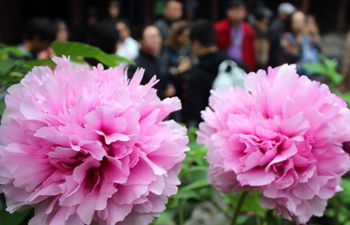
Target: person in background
column 235, row 36
column 62, row 34
column 80, row 32
column 262, row 41
column 202, row 75
column 300, row 45
column 92, row 16
column 278, row 27
column 38, row 34
column 150, row 58
column 178, row 56
column 113, row 10
column 312, row 29
column 173, row 12
column 103, row 35
column 127, row 46
column 310, row 45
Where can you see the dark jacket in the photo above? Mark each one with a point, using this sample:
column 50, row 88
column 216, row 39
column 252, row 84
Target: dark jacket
column 224, row 39
column 200, row 81
column 153, row 66
column 164, row 26
column 277, row 28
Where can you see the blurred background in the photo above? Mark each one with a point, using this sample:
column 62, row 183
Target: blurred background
column 332, row 16
column 186, row 42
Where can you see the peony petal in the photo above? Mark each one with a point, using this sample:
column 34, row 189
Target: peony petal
column 87, row 145
column 256, row 177
column 283, row 155
column 303, row 191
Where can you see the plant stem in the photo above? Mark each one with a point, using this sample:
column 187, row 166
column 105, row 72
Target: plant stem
column 258, row 221
column 181, row 213
column 223, row 211
column 238, row 208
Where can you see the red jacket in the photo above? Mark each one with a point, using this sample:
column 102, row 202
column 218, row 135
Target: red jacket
column 223, row 34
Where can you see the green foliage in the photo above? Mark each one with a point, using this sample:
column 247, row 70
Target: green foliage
column 12, row 69
column 250, row 205
column 5, row 50
column 18, row 218
column 328, row 67
column 79, row 51
column 339, row 206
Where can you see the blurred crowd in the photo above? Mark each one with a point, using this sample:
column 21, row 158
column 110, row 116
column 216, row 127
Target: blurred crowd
column 187, row 56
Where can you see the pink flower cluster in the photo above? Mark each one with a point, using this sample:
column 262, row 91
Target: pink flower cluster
column 89, row 146
column 283, row 135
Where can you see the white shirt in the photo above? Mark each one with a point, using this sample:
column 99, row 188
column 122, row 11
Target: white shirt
column 128, row 49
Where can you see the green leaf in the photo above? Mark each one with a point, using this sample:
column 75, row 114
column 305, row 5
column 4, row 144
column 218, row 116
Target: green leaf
column 331, row 68
column 195, row 169
column 13, row 70
column 327, row 67
column 345, row 96
column 6, row 66
column 344, row 196
column 202, row 183
column 252, row 204
column 40, row 62
column 5, row 50
column 78, row 50
column 2, row 107
column 186, row 195
column 163, row 219
column 17, row 218
column 315, row 67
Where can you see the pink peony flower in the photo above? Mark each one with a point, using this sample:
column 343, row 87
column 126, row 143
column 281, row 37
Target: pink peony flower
column 89, row 146
column 282, row 135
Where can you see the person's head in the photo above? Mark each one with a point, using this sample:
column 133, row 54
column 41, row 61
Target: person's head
column 203, row 37
column 173, row 10
column 298, row 22
column 236, row 11
column 114, row 9
column 38, row 34
column 311, row 25
column 178, row 34
column 104, row 35
column 151, row 40
column 92, row 16
column 123, row 30
column 62, row 32
column 285, row 10
column 262, row 16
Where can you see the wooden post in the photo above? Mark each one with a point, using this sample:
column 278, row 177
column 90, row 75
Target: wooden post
column 341, row 14
column 305, row 6
column 214, row 10
column 10, row 26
